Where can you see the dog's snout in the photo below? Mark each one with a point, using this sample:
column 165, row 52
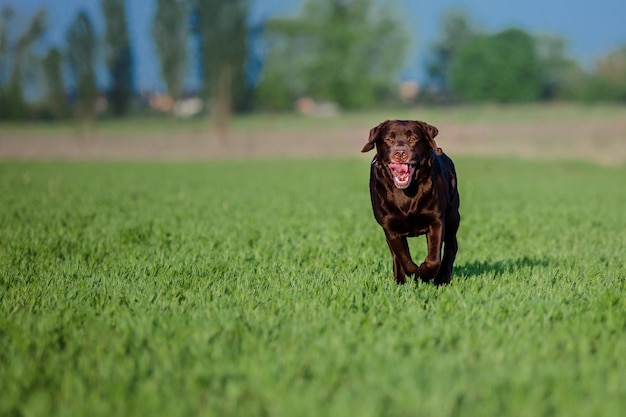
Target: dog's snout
column 400, row 155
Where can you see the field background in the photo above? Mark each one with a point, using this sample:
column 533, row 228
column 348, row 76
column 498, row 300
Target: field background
column 253, row 280
column 572, row 131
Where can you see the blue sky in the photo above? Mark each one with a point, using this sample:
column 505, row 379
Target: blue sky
column 591, row 27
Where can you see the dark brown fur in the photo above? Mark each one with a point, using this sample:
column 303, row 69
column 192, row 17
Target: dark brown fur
column 428, row 205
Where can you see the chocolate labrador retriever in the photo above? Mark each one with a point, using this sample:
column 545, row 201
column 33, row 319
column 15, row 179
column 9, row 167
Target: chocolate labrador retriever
column 414, row 192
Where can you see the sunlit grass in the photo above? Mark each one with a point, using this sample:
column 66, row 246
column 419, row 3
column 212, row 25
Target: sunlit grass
column 265, row 288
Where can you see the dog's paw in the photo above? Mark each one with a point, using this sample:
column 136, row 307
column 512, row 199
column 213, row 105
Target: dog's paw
column 427, row 271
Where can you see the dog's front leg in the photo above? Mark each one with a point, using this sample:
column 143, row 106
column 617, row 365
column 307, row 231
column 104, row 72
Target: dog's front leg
column 402, row 262
column 429, row 268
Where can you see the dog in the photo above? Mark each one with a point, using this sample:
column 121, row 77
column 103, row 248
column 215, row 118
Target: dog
column 413, row 188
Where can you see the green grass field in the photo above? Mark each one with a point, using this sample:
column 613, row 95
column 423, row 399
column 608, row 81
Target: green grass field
column 252, row 288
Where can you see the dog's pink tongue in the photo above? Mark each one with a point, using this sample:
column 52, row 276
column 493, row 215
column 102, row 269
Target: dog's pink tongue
column 400, row 168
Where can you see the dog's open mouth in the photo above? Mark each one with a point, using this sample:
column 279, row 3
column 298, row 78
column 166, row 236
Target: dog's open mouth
column 402, row 174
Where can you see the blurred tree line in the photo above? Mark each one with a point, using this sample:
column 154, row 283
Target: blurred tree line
column 345, row 52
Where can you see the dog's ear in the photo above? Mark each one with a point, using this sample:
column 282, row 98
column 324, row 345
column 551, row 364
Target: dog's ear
column 374, row 136
column 430, row 132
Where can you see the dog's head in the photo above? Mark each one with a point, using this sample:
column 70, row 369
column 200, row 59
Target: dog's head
column 403, row 146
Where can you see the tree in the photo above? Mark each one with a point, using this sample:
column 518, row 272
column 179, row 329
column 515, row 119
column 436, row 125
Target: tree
column 560, row 74
column 18, row 63
column 222, row 31
column 81, row 53
column 609, row 79
column 501, row 67
column 344, row 51
column 53, row 83
column 169, row 30
column 456, row 32
column 6, row 14
column 119, row 56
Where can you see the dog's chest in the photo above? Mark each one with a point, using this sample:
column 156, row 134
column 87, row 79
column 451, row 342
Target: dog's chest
column 411, row 223
column 404, row 215
column 407, row 212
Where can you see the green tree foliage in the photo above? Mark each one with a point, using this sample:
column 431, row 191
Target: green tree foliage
column 345, row 51
column 560, row 74
column 457, row 31
column 501, row 67
column 81, row 54
column 17, row 63
column 223, row 37
column 54, row 87
column 119, row 56
column 608, row 82
column 169, row 30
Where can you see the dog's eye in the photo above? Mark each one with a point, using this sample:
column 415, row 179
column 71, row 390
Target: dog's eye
column 412, row 139
column 389, row 139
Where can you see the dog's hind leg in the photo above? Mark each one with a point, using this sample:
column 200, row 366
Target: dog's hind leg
column 449, row 253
